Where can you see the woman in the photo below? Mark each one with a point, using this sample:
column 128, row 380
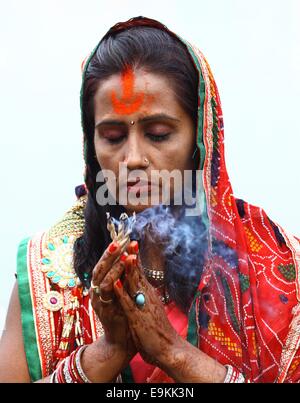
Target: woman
column 210, row 298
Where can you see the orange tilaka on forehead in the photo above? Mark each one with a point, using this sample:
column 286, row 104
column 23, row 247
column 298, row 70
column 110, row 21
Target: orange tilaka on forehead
column 129, row 102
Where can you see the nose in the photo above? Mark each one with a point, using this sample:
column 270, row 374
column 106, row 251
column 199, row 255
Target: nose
column 134, row 157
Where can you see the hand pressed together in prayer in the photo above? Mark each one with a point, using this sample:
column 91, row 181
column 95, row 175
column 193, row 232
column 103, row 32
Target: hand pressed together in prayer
column 127, row 326
column 109, row 269
column 150, row 329
column 130, row 328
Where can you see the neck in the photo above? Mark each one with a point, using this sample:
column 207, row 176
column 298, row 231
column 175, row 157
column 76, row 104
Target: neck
column 152, row 254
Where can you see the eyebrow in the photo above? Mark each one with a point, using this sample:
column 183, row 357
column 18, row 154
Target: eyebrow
column 147, row 119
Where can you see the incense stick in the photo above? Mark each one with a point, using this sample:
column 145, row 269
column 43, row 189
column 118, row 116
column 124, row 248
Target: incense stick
column 124, row 229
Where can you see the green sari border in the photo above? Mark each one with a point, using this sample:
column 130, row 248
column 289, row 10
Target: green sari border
column 127, row 375
column 27, row 318
column 192, row 335
column 201, row 100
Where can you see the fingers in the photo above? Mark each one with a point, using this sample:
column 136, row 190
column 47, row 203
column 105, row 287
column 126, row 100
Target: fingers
column 136, row 281
column 105, row 263
column 133, row 248
column 134, row 278
column 132, row 274
column 125, row 300
column 103, row 277
column 106, row 286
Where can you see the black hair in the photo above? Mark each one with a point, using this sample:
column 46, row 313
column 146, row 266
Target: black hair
column 150, row 46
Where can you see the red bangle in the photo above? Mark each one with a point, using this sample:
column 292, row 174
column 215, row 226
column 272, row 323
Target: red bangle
column 70, row 370
column 59, row 373
column 74, row 370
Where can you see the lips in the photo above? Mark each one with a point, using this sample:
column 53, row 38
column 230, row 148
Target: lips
column 138, row 185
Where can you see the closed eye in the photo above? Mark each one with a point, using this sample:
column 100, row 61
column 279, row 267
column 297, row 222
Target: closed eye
column 158, row 137
column 116, row 140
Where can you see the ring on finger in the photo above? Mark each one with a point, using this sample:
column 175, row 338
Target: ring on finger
column 96, row 289
column 139, row 299
column 105, row 301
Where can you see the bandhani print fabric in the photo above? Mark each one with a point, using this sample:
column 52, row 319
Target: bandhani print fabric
column 246, row 311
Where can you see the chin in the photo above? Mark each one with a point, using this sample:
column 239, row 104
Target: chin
column 141, row 206
column 130, row 209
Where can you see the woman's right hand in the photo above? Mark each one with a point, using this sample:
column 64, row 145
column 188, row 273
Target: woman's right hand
column 109, row 269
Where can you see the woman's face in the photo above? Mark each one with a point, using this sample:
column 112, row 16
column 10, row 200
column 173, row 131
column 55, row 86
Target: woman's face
column 138, row 122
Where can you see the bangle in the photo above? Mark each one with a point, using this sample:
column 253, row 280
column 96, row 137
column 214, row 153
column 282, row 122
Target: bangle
column 73, row 370
column 78, row 366
column 53, row 377
column 67, row 375
column 59, row 376
column 233, row 375
column 70, row 369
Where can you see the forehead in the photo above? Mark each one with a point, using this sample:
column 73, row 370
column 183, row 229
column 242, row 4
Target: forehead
column 135, row 92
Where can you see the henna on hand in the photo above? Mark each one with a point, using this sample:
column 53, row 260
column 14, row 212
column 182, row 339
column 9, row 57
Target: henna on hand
column 114, row 322
column 149, row 326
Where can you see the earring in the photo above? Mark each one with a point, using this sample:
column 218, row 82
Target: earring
column 132, row 122
column 147, row 161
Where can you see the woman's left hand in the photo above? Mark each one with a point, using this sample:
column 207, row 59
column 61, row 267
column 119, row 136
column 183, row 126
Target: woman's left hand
column 150, row 328
column 155, row 338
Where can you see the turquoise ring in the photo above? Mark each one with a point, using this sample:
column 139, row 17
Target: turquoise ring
column 139, row 299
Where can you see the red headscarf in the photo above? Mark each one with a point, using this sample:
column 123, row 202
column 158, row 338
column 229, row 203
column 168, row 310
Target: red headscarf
column 246, row 312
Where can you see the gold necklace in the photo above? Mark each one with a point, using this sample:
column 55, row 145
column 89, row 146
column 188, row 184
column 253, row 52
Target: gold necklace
column 158, row 275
